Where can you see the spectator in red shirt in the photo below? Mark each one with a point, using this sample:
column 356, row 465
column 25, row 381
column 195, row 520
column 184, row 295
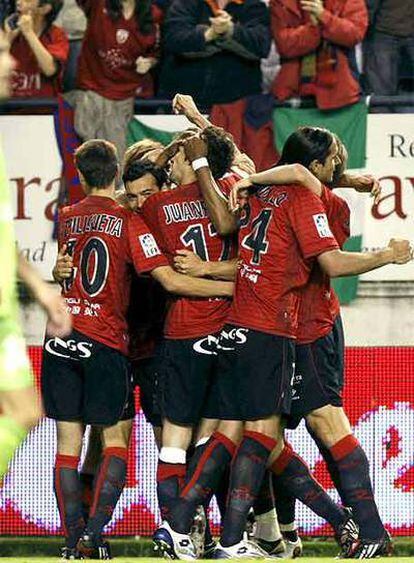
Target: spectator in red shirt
column 118, row 50
column 316, row 41
column 39, row 47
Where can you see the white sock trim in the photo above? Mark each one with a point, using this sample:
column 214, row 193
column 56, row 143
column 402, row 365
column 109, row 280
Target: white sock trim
column 173, row 455
column 288, row 527
column 202, row 441
column 267, row 526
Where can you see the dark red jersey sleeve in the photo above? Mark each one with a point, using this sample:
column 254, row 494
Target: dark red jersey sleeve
column 150, row 214
column 144, row 251
column 310, row 224
column 59, row 45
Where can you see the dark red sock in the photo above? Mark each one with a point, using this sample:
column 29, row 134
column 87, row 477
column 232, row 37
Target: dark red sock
column 69, row 497
column 330, row 464
column 285, row 504
column 265, row 501
column 108, row 487
column 293, row 474
column 246, row 477
column 170, row 480
column 204, row 482
column 353, row 468
column 86, row 482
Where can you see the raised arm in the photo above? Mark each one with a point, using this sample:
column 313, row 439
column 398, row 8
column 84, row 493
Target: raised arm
column 224, row 222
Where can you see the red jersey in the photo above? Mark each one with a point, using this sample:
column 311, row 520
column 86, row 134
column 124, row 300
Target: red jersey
column 179, row 219
column 282, row 231
column 319, row 303
column 104, row 239
column 27, row 78
column 110, row 48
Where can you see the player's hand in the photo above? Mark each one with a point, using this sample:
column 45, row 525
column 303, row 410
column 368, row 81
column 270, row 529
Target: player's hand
column 184, row 104
column 245, row 163
column 239, row 195
column 314, row 8
column 365, row 183
column 144, row 64
column 59, row 319
column 195, row 147
column 222, row 23
column 189, row 263
column 25, row 24
column 402, row 250
column 64, row 265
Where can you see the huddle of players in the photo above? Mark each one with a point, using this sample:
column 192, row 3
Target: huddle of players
column 224, row 367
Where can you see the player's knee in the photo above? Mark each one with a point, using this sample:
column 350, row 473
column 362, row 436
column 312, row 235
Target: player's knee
column 69, row 438
column 30, row 417
column 232, row 429
column 329, row 424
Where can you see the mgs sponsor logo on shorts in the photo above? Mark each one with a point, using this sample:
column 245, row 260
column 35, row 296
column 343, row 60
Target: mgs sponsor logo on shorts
column 230, row 339
column 70, row 349
column 206, row 345
column 149, row 245
column 322, row 225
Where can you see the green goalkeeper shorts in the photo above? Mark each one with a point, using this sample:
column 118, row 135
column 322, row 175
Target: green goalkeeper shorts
column 15, row 371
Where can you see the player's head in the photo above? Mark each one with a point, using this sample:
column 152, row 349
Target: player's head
column 47, row 9
column 142, row 178
column 220, row 153
column 6, row 66
column 97, row 164
column 313, row 147
column 147, row 148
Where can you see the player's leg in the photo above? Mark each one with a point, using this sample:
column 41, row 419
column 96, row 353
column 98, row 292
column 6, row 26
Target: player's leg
column 19, row 404
column 90, row 468
column 184, row 380
column 111, row 476
column 67, row 485
column 292, row 475
column 263, row 378
column 331, row 426
column 62, row 393
column 107, row 402
column 266, row 529
column 347, row 461
column 145, row 376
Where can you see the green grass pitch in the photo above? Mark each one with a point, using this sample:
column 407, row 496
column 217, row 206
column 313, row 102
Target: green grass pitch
column 156, row 560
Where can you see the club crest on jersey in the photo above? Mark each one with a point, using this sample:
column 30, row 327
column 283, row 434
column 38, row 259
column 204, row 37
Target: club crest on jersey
column 122, row 36
column 322, row 225
column 149, row 245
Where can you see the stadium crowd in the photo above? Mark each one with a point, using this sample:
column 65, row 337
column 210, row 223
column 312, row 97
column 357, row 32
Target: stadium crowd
column 106, row 53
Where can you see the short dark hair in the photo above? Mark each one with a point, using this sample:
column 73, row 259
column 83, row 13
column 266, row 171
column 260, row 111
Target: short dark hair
column 138, row 168
column 56, row 6
column 305, row 145
column 220, row 150
column 97, row 160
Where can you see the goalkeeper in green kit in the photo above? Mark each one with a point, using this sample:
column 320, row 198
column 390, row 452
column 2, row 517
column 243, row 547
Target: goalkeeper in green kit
column 19, row 404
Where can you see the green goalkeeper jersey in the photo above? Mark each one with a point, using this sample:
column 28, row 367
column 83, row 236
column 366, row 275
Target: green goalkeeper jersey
column 8, row 297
